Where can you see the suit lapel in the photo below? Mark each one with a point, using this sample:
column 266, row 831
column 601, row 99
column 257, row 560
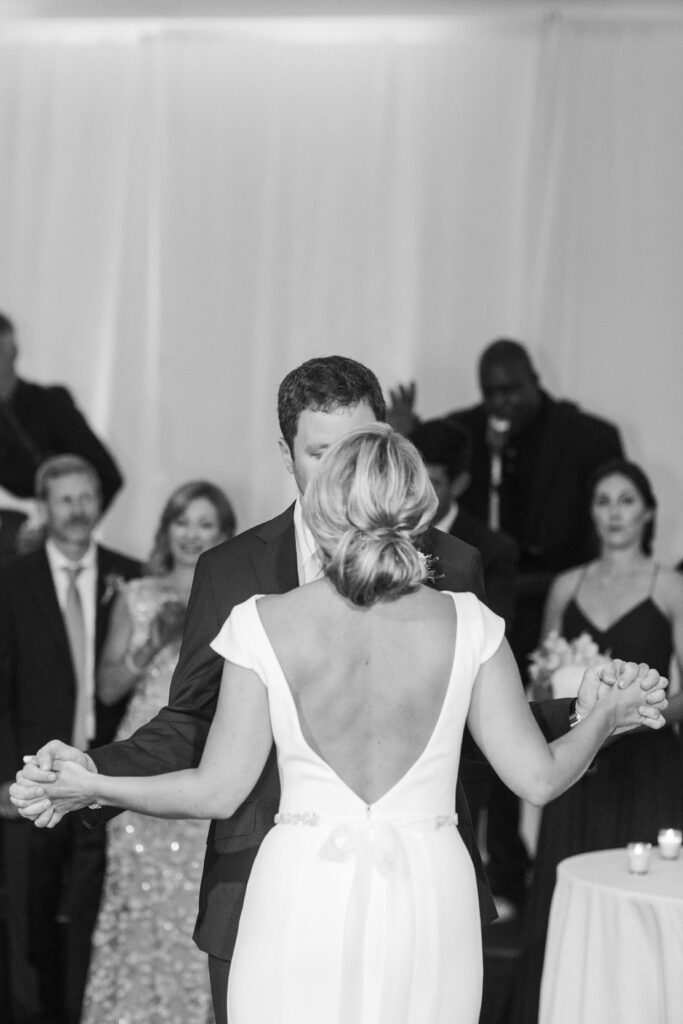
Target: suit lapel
column 275, row 560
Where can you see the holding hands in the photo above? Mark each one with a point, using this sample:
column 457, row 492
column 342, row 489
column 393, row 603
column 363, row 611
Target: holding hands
column 638, row 693
column 31, row 793
column 59, row 778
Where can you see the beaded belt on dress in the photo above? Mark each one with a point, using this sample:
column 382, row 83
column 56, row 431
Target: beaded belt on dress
column 313, row 819
column 377, row 846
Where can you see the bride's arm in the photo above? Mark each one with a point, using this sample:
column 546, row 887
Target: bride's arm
column 503, row 726
column 236, row 750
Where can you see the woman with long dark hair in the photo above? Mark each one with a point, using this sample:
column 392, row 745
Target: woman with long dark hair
column 632, row 607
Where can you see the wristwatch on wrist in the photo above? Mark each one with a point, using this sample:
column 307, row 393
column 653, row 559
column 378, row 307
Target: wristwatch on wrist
column 575, row 716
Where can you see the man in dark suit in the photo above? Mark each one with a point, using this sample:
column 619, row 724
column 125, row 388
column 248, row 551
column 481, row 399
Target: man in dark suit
column 35, row 423
column 447, row 451
column 533, row 457
column 54, row 610
column 318, row 402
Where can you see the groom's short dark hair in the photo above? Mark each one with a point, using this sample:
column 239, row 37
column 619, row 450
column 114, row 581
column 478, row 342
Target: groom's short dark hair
column 324, row 384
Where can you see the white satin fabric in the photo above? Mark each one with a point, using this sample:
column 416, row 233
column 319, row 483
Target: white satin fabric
column 614, row 942
column 356, row 913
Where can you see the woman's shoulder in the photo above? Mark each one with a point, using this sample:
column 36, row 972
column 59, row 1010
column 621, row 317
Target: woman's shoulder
column 668, row 588
column 477, row 623
column 567, row 583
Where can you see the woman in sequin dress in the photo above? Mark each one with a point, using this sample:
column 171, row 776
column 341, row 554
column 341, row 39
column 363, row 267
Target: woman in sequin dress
column 145, row 968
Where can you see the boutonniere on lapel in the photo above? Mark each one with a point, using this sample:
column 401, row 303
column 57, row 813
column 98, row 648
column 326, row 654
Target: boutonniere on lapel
column 113, row 584
column 428, row 562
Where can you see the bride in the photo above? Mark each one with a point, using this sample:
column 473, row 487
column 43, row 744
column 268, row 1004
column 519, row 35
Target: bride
column 362, row 904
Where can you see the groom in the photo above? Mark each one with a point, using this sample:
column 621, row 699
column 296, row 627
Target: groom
column 318, row 402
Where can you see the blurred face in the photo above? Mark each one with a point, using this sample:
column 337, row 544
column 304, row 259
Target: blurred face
column 510, row 392
column 619, row 512
column 72, row 509
column 194, row 531
column 443, row 487
column 315, row 432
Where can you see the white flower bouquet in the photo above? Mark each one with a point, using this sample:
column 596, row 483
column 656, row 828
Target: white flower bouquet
column 557, row 665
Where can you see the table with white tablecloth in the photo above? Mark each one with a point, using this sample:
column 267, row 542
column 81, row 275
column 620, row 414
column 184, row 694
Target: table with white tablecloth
column 615, row 942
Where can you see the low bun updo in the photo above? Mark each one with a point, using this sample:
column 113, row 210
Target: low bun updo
column 367, row 503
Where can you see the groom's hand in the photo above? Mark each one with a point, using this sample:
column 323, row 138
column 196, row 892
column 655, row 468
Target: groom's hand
column 27, row 793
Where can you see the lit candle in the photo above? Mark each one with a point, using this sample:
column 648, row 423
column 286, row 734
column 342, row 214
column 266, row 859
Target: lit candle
column 669, row 841
column 638, row 857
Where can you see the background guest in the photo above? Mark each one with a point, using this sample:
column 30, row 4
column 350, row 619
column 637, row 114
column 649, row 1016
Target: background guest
column 446, row 448
column 543, row 457
column 145, row 965
column 35, row 423
column 532, row 460
column 633, row 609
column 54, row 610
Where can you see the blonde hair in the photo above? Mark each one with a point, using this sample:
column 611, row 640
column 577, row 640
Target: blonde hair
column 366, row 505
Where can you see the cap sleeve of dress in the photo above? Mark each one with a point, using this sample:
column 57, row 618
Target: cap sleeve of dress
column 493, row 632
column 237, row 639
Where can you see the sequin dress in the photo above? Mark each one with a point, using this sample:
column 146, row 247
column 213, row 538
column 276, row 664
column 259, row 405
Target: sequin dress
column 145, row 968
column 356, row 913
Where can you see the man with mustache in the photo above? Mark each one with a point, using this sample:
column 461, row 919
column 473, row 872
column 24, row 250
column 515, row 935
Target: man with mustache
column 54, row 610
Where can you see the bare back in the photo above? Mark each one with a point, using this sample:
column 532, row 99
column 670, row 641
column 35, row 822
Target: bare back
column 368, row 683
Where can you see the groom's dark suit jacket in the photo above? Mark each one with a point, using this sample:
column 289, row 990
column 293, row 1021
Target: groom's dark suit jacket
column 260, row 561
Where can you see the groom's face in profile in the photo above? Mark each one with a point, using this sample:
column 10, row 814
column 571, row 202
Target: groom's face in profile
column 316, row 431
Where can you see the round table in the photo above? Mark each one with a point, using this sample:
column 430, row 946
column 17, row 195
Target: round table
column 615, row 942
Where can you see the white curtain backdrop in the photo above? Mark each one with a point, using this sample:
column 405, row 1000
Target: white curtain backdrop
column 190, row 208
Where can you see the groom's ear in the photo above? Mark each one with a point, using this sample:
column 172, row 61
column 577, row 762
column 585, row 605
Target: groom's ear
column 286, row 454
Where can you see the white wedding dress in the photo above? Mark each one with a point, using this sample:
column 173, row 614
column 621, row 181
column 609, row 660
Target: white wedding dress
column 356, row 913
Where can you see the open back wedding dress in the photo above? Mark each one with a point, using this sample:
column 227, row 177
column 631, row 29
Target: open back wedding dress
column 361, row 913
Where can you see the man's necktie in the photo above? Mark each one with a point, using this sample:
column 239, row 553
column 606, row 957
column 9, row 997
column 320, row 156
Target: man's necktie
column 75, row 628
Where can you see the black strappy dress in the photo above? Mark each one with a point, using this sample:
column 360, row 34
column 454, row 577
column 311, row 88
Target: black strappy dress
column 634, row 788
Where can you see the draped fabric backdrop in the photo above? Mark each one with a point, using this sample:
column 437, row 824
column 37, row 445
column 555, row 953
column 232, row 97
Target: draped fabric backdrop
column 189, row 208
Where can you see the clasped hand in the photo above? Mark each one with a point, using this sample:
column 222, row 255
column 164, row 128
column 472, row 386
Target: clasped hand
column 642, row 703
column 52, row 783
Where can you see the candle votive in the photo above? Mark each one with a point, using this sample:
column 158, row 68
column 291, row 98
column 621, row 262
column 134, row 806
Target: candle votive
column 638, row 857
column 669, row 842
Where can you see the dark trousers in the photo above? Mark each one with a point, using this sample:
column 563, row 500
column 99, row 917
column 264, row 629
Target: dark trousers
column 54, row 883
column 507, row 856
column 219, row 971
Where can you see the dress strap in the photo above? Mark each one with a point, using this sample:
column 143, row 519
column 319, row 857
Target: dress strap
column 579, row 583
